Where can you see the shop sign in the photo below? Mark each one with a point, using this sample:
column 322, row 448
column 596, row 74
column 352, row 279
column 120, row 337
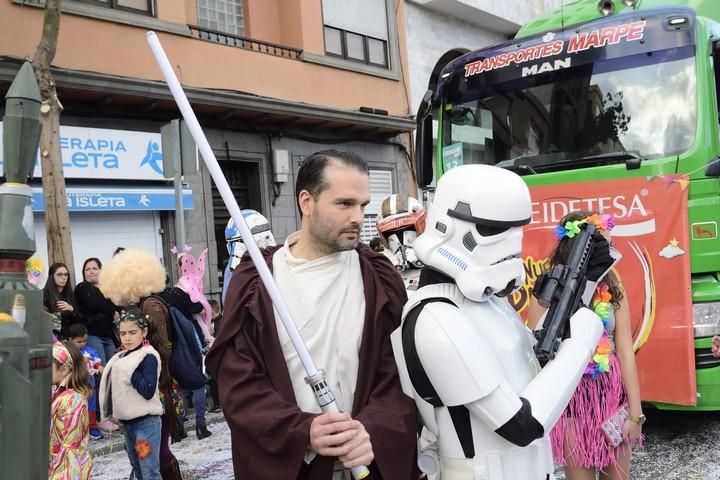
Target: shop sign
column 99, row 153
column 91, row 199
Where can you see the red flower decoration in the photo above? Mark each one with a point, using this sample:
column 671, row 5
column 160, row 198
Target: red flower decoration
column 143, row 449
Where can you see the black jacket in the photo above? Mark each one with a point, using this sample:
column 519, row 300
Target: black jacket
column 94, row 310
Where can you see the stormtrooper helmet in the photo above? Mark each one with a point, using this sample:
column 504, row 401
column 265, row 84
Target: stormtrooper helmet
column 400, row 221
column 474, row 230
column 260, row 229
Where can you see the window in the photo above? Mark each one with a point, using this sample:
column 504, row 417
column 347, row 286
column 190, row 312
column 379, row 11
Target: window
column 381, row 187
column 221, row 15
column 146, row 7
column 354, row 46
column 357, row 30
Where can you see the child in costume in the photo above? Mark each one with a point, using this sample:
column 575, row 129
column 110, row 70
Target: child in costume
column 129, row 392
column 191, row 283
column 69, row 455
column 136, row 278
column 78, row 336
column 610, row 380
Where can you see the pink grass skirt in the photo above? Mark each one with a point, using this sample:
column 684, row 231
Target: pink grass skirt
column 593, row 402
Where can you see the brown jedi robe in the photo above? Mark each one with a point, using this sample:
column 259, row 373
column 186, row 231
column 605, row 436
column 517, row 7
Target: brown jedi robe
column 270, row 434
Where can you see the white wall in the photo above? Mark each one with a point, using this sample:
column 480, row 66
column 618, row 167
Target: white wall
column 430, row 36
column 436, row 26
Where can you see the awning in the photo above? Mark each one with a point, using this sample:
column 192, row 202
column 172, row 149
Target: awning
column 116, row 198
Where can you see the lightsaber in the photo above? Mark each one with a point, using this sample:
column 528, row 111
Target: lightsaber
column 315, row 377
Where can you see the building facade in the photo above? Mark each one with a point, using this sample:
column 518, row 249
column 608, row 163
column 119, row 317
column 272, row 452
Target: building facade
column 271, row 81
column 440, row 30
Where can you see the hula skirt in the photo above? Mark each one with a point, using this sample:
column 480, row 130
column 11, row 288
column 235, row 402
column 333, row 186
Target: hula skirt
column 593, row 402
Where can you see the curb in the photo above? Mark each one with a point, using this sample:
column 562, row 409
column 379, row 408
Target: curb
column 115, row 441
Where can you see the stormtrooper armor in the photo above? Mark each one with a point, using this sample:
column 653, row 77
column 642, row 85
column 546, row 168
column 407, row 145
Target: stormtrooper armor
column 400, row 221
column 260, row 229
column 463, row 353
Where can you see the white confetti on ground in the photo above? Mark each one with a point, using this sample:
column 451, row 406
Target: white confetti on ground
column 207, row 459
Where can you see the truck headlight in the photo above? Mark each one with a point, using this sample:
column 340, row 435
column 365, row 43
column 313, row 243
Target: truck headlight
column 706, row 318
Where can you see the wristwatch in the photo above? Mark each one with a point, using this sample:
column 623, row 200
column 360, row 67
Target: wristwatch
column 640, row 419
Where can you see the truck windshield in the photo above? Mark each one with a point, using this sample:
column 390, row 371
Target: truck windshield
column 593, row 114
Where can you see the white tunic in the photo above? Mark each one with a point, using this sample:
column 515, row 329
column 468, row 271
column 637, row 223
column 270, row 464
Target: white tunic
column 326, row 299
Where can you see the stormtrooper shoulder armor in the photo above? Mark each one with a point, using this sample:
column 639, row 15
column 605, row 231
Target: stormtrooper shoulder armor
column 457, row 361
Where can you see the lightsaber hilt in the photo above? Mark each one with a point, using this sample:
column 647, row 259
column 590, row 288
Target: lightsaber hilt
column 222, row 185
column 326, row 400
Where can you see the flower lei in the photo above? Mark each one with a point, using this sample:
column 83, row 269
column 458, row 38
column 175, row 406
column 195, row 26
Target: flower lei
column 601, row 302
column 570, row 229
column 601, row 305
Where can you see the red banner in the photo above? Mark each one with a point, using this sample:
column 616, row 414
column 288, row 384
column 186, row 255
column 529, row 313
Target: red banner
column 652, row 235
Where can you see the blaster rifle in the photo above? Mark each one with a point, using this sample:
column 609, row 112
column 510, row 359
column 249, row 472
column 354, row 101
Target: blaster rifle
column 561, row 291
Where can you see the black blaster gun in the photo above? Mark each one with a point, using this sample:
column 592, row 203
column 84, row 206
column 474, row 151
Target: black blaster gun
column 561, row 289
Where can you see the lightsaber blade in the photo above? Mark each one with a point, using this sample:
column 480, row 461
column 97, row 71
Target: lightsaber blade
column 315, row 378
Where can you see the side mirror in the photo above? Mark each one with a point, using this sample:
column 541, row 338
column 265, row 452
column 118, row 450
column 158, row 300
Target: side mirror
column 715, row 53
column 424, row 142
column 713, row 168
column 633, row 163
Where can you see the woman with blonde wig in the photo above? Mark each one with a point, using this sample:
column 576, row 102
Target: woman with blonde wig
column 136, row 278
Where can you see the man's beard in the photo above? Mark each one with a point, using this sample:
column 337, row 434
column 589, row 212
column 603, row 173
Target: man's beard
column 328, row 241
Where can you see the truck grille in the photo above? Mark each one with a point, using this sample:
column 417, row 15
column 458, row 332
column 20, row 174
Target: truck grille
column 705, row 359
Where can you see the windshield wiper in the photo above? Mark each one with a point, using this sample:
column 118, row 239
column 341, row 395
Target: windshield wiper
column 632, row 160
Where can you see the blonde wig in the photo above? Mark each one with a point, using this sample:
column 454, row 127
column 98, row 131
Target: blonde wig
column 130, row 276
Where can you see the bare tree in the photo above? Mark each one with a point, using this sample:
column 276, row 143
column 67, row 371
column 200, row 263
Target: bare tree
column 57, row 219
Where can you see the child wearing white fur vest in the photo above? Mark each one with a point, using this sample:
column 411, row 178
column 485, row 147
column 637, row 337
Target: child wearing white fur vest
column 129, row 393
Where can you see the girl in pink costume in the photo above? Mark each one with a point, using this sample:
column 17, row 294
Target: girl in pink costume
column 191, row 282
column 610, row 379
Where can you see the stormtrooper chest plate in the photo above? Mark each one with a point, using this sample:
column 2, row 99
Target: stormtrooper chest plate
column 511, row 341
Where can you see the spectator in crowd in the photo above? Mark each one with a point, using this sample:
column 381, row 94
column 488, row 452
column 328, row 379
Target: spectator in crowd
column 215, row 329
column 59, row 300
column 375, row 245
column 189, row 298
column 69, row 453
column 95, row 311
column 78, row 336
column 346, row 301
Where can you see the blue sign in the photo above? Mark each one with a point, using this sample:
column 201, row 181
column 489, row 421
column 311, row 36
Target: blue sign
column 105, row 153
column 94, row 199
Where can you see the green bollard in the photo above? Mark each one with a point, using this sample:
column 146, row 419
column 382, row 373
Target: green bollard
column 25, row 350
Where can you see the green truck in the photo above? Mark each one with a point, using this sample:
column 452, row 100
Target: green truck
column 601, row 90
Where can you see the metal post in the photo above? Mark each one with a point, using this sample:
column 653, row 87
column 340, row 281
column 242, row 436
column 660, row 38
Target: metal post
column 179, row 208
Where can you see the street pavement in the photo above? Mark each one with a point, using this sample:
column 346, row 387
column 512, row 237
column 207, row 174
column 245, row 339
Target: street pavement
column 678, row 446
column 206, row 459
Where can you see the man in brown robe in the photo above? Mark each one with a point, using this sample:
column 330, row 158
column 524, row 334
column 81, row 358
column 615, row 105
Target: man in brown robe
column 272, row 437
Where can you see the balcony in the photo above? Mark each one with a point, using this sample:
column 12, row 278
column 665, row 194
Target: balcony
column 214, row 36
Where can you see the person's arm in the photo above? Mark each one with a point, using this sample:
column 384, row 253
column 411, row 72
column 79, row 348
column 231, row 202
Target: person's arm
column 273, row 432
column 144, row 378
column 628, row 367
column 188, row 305
column 535, row 312
column 715, row 345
